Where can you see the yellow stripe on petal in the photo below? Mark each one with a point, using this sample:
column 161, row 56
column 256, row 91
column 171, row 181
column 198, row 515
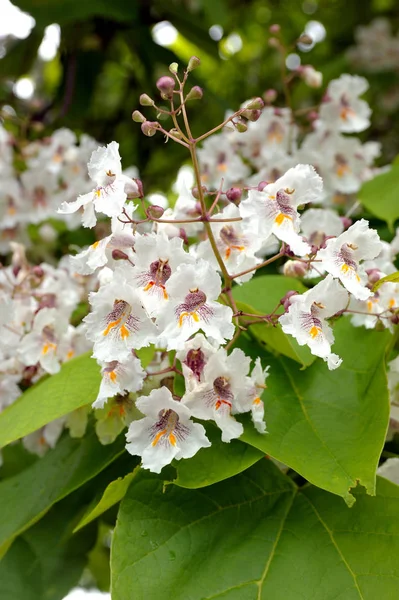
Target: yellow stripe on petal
column 279, row 220
column 158, row 437
column 111, row 326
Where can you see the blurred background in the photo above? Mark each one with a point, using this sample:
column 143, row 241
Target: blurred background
column 83, row 65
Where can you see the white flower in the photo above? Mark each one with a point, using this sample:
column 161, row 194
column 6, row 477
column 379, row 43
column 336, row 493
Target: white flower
column 384, row 302
column 255, row 402
column 45, row 438
column 343, row 107
column 193, row 290
column 219, row 160
column 156, row 258
column 118, row 323
column 307, row 314
column 109, row 195
column 236, row 243
column 225, row 391
column 119, row 377
column 319, row 223
column 274, row 210
column 311, row 77
column 193, row 357
column 41, row 344
column 341, row 257
column 166, row 432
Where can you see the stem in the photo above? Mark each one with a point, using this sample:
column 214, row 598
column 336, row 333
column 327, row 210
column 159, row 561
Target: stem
column 263, row 264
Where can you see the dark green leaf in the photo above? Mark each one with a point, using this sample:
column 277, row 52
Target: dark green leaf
column 380, row 195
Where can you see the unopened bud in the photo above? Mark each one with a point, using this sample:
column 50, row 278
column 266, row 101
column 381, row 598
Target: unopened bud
column 145, row 100
column 195, row 93
column 173, row 67
column 176, row 133
column 275, row 28
column 256, row 104
column 273, row 42
column 195, row 191
column 252, row 115
column 138, row 117
column 305, row 39
column 295, row 268
column 346, row 222
column 373, row 275
column 234, row 194
column 155, row 212
column 269, row 96
column 262, row 185
column 119, row 254
column 166, row 85
column 286, row 300
column 38, row 271
column 134, row 188
column 149, row 128
column 193, row 63
column 395, row 319
column 183, row 235
column 240, row 126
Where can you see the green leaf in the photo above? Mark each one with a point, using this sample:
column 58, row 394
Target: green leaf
column 27, row 496
column 215, row 463
column 254, row 537
column 262, row 294
column 380, row 195
column 47, row 561
column 46, row 12
column 113, row 494
column 329, row 426
column 74, row 386
column 392, row 278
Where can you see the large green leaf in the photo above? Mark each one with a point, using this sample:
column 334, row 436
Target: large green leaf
column 329, row 426
column 254, row 537
column 380, row 195
column 25, row 497
column 215, row 463
column 263, row 294
column 47, row 561
column 46, row 12
column 74, row 386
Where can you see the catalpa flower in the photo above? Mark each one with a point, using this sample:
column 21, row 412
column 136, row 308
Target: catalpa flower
column 307, row 314
column 236, row 243
column 343, row 108
column 109, row 195
column 341, row 257
column 193, row 357
column 225, row 391
column 254, row 402
column 156, row 258
column 119, row 377
column 193, row 290
column 118, row 323
column 274, row 209
column 166, row 432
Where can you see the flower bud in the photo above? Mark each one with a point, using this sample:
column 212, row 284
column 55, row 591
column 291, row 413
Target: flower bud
column 193, row 63
column 346, row 222
column 262, row 185
column 138, row 117
column 146, row 100
column 286, row 300
column 173, row 67
column 295, row 268
column 240, row 126
column 183, row 235
column 269, row 96
column 275, row 28
column 155, row 212
column 234, row 194
column 394, row 319
column 255, row 104
column 273, row 42
column 305, row 39
column 166, row 85
column 119, row 254
column 134, row 188
column 38, row 271
column 311, row 77
column 195, row 93
column 195, row 191
column 149, row 128
column 252, row 115
column 373, row 275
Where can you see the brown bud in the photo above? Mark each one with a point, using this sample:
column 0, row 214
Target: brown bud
column 149, row 128
column 295, row 268
column 305, row 39
column 119, row 254
column 234, row 194
column 286, row 300
column 155, row 212
column 270, row 96
column 262, row 185
column 256, row 104
column 240, row 125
